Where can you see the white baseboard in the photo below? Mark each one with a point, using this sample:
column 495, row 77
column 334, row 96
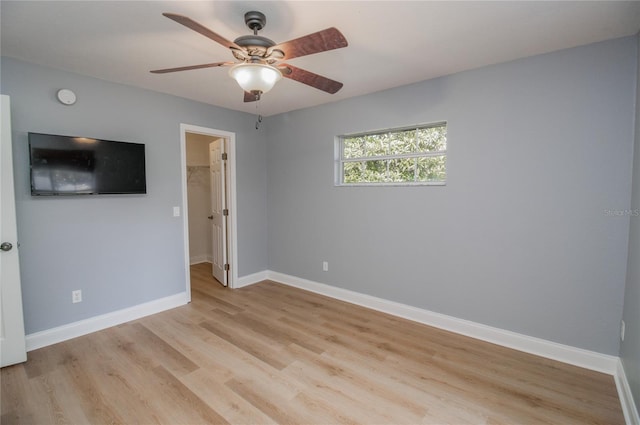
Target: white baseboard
column 629, row 407
column 197, row 259
column 540, row 347
column 250, row 279
column 72, row 330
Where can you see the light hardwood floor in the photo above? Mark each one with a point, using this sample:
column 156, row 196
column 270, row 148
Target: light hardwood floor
column 269, row 354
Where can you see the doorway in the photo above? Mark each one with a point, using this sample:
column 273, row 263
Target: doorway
column 209, row 202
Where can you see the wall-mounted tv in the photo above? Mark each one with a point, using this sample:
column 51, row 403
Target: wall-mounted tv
column 64, row 165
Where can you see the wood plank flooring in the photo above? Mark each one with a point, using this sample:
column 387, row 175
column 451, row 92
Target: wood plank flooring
column 268, row 354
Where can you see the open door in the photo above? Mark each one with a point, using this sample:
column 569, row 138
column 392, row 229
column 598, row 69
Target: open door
column 12, row 339
column 219, row 211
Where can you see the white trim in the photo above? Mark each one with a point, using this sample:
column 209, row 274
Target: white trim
column 185, row 210
column 72, row 330
column 540, row 347
column 629, row 407
column 251, row 279
column 232, row 230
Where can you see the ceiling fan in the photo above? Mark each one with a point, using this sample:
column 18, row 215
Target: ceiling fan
column 260, row 64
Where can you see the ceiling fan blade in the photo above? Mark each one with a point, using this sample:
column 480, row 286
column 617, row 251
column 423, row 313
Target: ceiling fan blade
column 199, row 28
column 309, row 78
column 317, row 42
column 250, row 97
column 187, row 68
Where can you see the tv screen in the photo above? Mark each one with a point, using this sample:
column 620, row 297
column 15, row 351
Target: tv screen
column 64, row 165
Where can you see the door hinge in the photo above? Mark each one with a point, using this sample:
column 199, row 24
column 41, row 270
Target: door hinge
column 224, row 156
column 227, row 267
column 225, row 211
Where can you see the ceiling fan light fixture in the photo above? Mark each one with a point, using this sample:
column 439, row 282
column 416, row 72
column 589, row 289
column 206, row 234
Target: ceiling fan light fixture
column 255, row 77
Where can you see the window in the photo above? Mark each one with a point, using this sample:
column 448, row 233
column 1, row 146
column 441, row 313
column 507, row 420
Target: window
column 404, row 156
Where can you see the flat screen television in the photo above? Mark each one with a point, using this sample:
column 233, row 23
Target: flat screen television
column 64, row 165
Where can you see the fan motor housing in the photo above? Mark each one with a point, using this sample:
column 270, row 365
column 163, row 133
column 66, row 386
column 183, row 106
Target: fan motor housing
column 255, row 21
column 254, row 41
column 254, row 46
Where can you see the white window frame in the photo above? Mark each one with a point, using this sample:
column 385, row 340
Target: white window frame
column 340, row 160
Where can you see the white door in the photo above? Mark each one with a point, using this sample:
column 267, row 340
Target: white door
column 12, row 342
column 219, row 212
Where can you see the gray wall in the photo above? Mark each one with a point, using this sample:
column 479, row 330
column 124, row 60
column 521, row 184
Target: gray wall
column 630, row 348
column 518, row 239
column 120, row 250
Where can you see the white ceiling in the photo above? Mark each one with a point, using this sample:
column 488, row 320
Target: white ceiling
column 391, row 43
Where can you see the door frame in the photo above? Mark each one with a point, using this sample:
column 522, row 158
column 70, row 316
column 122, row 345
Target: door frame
column 232, row 233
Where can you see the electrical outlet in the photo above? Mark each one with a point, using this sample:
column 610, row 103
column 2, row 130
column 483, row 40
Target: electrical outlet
column 325, row 266
column 622, row 329
column 76, row 296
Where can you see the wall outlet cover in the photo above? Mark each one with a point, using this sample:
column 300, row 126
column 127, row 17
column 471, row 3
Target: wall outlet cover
column 76, row 296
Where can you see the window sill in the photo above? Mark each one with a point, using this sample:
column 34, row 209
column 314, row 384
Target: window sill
column 395, row 184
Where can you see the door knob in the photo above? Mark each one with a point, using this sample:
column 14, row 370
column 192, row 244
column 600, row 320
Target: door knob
column 210, row 217
column 6, row 246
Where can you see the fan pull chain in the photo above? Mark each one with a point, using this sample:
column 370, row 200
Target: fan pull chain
column 258, row 116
